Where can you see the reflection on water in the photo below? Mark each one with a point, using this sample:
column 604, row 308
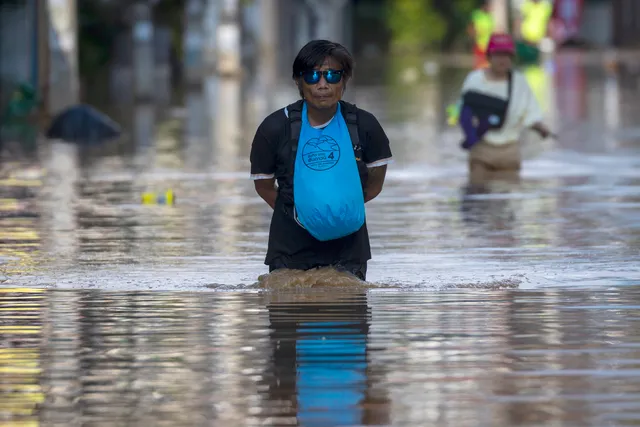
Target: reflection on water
column 198, row 147
column 22, row 313
column 59, row 200
column 20, row 238
column 320, row 358
column 321, row 375
column 227, row 130
column 144, row 134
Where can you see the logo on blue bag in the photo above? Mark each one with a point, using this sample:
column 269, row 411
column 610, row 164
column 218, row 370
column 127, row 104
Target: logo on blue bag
column 321, row 154
column 494, row 120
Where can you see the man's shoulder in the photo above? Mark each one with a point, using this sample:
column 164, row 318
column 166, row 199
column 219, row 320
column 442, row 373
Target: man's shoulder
column 368, row 125
column 274, row 124
column 365, row 118
column 278, row 117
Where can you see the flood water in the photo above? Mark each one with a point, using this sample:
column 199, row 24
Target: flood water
column 565, row 357
column 514, row 305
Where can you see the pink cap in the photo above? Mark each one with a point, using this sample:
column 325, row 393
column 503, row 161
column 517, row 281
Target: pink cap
column 501, row 43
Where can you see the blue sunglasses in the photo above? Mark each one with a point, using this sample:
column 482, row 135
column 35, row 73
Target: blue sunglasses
column 312, row 77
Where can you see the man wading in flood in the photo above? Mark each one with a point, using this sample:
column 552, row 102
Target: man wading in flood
column 329, row 158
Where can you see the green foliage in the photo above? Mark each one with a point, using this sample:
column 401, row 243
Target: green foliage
column 96, row 34
column 461, row 11
column 414, row 24
column 100, row 22
column 419, row 25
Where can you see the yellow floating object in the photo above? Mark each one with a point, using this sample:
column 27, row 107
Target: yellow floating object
column 14, row 182
column 166, row 198
column 453, row 114
column 22, row 290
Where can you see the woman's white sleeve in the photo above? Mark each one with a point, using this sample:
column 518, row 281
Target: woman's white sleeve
column 533, row 112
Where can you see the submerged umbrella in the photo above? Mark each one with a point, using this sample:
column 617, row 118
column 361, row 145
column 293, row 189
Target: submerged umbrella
column 83, row 124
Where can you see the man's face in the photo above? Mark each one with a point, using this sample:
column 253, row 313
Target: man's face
column 501, row 62
column 323, row 95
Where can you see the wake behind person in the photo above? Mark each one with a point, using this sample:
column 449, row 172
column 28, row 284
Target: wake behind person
column 329, row 158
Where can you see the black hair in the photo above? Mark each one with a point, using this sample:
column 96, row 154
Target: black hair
column 315, row 52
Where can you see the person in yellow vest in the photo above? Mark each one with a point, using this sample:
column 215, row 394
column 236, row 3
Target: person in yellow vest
column 533, row 27
column 534, row 20
column 480, row 29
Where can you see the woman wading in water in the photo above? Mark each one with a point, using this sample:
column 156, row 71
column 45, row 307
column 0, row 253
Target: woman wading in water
column 497, row 105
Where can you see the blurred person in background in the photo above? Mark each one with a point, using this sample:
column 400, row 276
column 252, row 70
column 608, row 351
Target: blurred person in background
column 480, row 29
column 497, row 105
column 533, row 28
column 328, row 158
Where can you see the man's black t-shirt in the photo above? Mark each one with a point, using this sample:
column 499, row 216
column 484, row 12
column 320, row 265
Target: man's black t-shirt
column 289, row 243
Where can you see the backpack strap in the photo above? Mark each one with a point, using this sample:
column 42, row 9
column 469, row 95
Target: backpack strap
column 509, row 95
column 295, row 125
column 350, row 113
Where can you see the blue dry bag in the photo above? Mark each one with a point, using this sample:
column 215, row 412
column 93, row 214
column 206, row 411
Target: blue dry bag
column 327, row 191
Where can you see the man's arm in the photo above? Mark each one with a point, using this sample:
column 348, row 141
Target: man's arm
column 266, row 188
column 376, row 153
column 263, row 162
column 375, row 181
column 471, row 31
column 533, row 114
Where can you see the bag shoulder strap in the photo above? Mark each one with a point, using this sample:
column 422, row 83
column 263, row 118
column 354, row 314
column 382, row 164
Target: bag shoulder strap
column 294, row 112
column 509, row 94
column 350, row 114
